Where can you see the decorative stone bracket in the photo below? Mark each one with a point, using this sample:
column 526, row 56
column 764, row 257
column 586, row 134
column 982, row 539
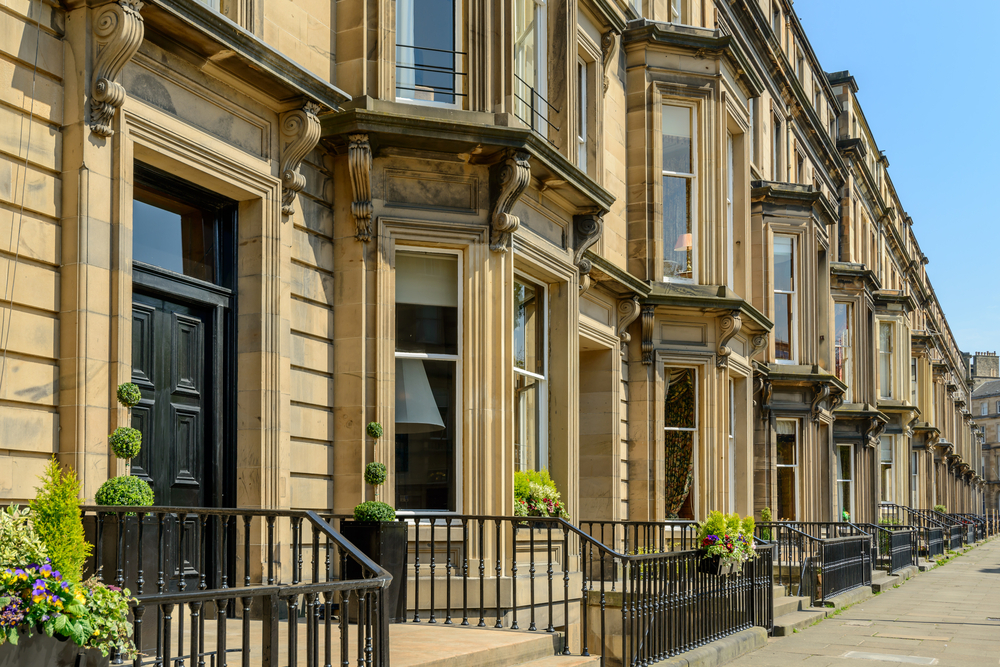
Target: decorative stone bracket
column 822, row 391
column 838, row 399
column 874, row 431
column 766, row 392
column 608, row 41
column 118, row 29
column 508, row 179
column 628, row 312
column 359, row 162
column 729, row 325
column 587, row 229
column 758, row 343
column 300, row 130
column 648, row 319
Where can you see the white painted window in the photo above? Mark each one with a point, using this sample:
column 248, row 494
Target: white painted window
column 885, row 467
column 752, row 133
column 787, row 466
column 730, row 235
column 885, row 361
column 732, row 446
column 845, row 484
column 680, row 193
column 530, row 368
column 984, row 408
column 913, row 381
column 785, row 299
column 530, row 68
column 680, row 419
column 676, row 11
column 843, row 355
column 913, row 480
column 428, row 60
column 581, row 138
column 776, row 150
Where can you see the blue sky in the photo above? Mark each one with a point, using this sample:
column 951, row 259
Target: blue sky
column 929, row 92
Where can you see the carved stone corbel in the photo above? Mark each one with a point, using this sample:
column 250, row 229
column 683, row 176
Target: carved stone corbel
column 628, row 312
column 359, row 163
column 766, row 391
column 758, row 343
column 874, row 431
column 608, row 41
column 300, row 131
column 118, row 29
column 647, row 334
column 587, row 229
column 822, row 391
column 508, row 179
column 729, row 325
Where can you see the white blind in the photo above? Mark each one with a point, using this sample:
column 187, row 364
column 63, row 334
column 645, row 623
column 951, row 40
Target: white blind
column 430, row 280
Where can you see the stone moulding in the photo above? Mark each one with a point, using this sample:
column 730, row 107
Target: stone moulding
column 648, row 318
column 608, row 41
column 822, row 391
column 587, row 229
column 118, row 30
column 508, row 179
column 628, row 312
column 359, row 162
column 301, row 130
column 729, row 325
column 759, row 342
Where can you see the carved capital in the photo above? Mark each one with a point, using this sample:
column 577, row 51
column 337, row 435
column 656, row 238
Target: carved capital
column 647, row 334
column 608, row 41
column 822, row 391
column 587, row 229
column 300, row 133
column 628, row 312
column 359, row 162
column 118, row 29
column 508, row 179
column 729, row 325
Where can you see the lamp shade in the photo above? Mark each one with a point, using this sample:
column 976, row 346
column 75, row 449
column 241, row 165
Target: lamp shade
column 683, row 242
column 416, row 410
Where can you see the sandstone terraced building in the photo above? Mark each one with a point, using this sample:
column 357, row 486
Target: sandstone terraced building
column 652, row 247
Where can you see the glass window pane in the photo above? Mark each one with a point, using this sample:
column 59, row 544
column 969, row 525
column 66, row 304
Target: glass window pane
column 786, row 449
column 527, row 444
column 784, row 269
column 842, row 341
column 783, row 326
column 425, row 42
column 885, row 449
column 678, row 239
column 843, row 462
column 173, row 235
column 680, row 401
column 529, row 327
column 426, row 303
column 844, row 500
column 677, row 139
column 786, row 495
column 425, row 460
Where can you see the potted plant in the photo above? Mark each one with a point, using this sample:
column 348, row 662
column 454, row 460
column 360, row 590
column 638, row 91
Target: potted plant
column 726, row 543
column 377, row 534
column 535, row 494
column 47, row 615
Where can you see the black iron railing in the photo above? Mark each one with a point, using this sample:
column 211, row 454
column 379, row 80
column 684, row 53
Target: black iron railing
column 845, row 564
column 535, row 107
column 896, row 546
column 212, row 583
column 437, row 70
column 632, row 537
column 932, row 535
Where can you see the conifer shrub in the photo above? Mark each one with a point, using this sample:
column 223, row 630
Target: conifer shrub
column 55, row 515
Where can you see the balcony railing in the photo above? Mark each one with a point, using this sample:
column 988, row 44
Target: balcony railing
column 436, row 69
column 535, row 107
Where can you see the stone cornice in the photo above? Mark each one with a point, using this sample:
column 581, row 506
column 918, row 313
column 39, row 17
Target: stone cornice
column 858, row 272
column 615, row 278
column 608, row 12
column 716, row 298
column 894, row 297
column 811, row 375
column 804, row 195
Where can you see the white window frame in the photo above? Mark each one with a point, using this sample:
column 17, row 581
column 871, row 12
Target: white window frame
column 543, row 394
column 776, row 147
column 914, row 384
column 582, row 147
column 458, row 83
column 676, row 11
column 793, row 302
column 730, row 235
column 985, row 408
column 886, row 355
column 887, row 495
column 848, row 364
column 998, row 407
column 914, row 486
column 541, row 66
column 850, row 458
column 731, row 441
column 697, row 414
column 752, row 133
column 459, row 377
column 798, row 438
column 693, row 178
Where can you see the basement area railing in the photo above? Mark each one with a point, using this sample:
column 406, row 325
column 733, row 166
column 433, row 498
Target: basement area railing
column 932, row 535
column 896, row 546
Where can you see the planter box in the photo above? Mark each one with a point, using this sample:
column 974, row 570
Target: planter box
column 40, row 649
column 714, row 565
column 385, row 543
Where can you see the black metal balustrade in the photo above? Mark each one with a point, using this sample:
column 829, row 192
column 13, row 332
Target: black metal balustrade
column 896, row 546
column 932, row 535
column 634, row 537
column 440, row 66
column 955, row 527
column 536, row 107
column 241, row 586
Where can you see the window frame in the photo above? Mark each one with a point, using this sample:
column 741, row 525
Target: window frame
column 583, row 112
column 776, row 148
column 730, row 209
column 847, row 363
column 886, row 356
column 459, row 95
column 793, row 302
column 459, row 368
column 886, row 471
column 849, row 481
column 794, row 466
column 693, row 180
column 731, row 442
column 540, row 74
column 543, row 378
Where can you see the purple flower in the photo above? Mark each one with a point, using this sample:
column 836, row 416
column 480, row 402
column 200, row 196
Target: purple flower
column 46, row 569
column 12, row 614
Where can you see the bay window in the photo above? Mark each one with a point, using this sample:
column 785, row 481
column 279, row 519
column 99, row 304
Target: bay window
column 787, row 464
column 843, row 358
column 530, row 392
column 885, row 350
column 427, row 53
column 428, row 372
column 785, row 299
column 680, row 419
column 680, row 188
column 530, row 82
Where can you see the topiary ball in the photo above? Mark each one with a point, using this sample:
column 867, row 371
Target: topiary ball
column 374, row 430
column 125, row 490
column 125, row 442
column 129, row 394
column 375, row 473
column 374, row 510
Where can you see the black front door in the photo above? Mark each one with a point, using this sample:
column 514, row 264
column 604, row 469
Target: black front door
column 170, row 364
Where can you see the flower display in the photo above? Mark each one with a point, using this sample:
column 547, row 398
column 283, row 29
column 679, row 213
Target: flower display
column 535, row 494
column 727, row 536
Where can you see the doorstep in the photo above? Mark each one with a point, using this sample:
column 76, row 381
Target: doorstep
column 720, row 651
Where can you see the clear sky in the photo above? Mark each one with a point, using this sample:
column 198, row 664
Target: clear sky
column 928, row 86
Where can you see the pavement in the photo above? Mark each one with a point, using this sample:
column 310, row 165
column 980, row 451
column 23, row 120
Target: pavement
column 948, row 616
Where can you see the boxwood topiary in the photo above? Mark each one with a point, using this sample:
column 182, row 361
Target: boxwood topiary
column 375, row 473
column 374, row 430
column 125, row 490
column 129, row 394
column 125, row 442
column 374, row 510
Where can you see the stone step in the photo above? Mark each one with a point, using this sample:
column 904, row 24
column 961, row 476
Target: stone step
column 564, row 661
column 788, row 604
column 478, row 647
column 797, row 620
column 884, row 582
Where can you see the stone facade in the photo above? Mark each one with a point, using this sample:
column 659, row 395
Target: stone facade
column 482, row 231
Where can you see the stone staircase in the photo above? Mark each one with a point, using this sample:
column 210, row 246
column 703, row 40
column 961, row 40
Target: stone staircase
column 436, row 646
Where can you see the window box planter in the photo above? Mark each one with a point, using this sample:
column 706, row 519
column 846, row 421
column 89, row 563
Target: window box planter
column 715, row 566
column 385, row 543
column 40, row 649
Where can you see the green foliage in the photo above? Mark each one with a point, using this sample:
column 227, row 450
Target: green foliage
column 535, row 494
column 374, row 429
column 941, row 508
column 727, row 536
column 375, row 473
column 125, row 490
column 129, row 394
column 125, row 442
column 679, row 410
column 55, row 515
column 109, row 610
column 373, row 510
column 19, row 544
